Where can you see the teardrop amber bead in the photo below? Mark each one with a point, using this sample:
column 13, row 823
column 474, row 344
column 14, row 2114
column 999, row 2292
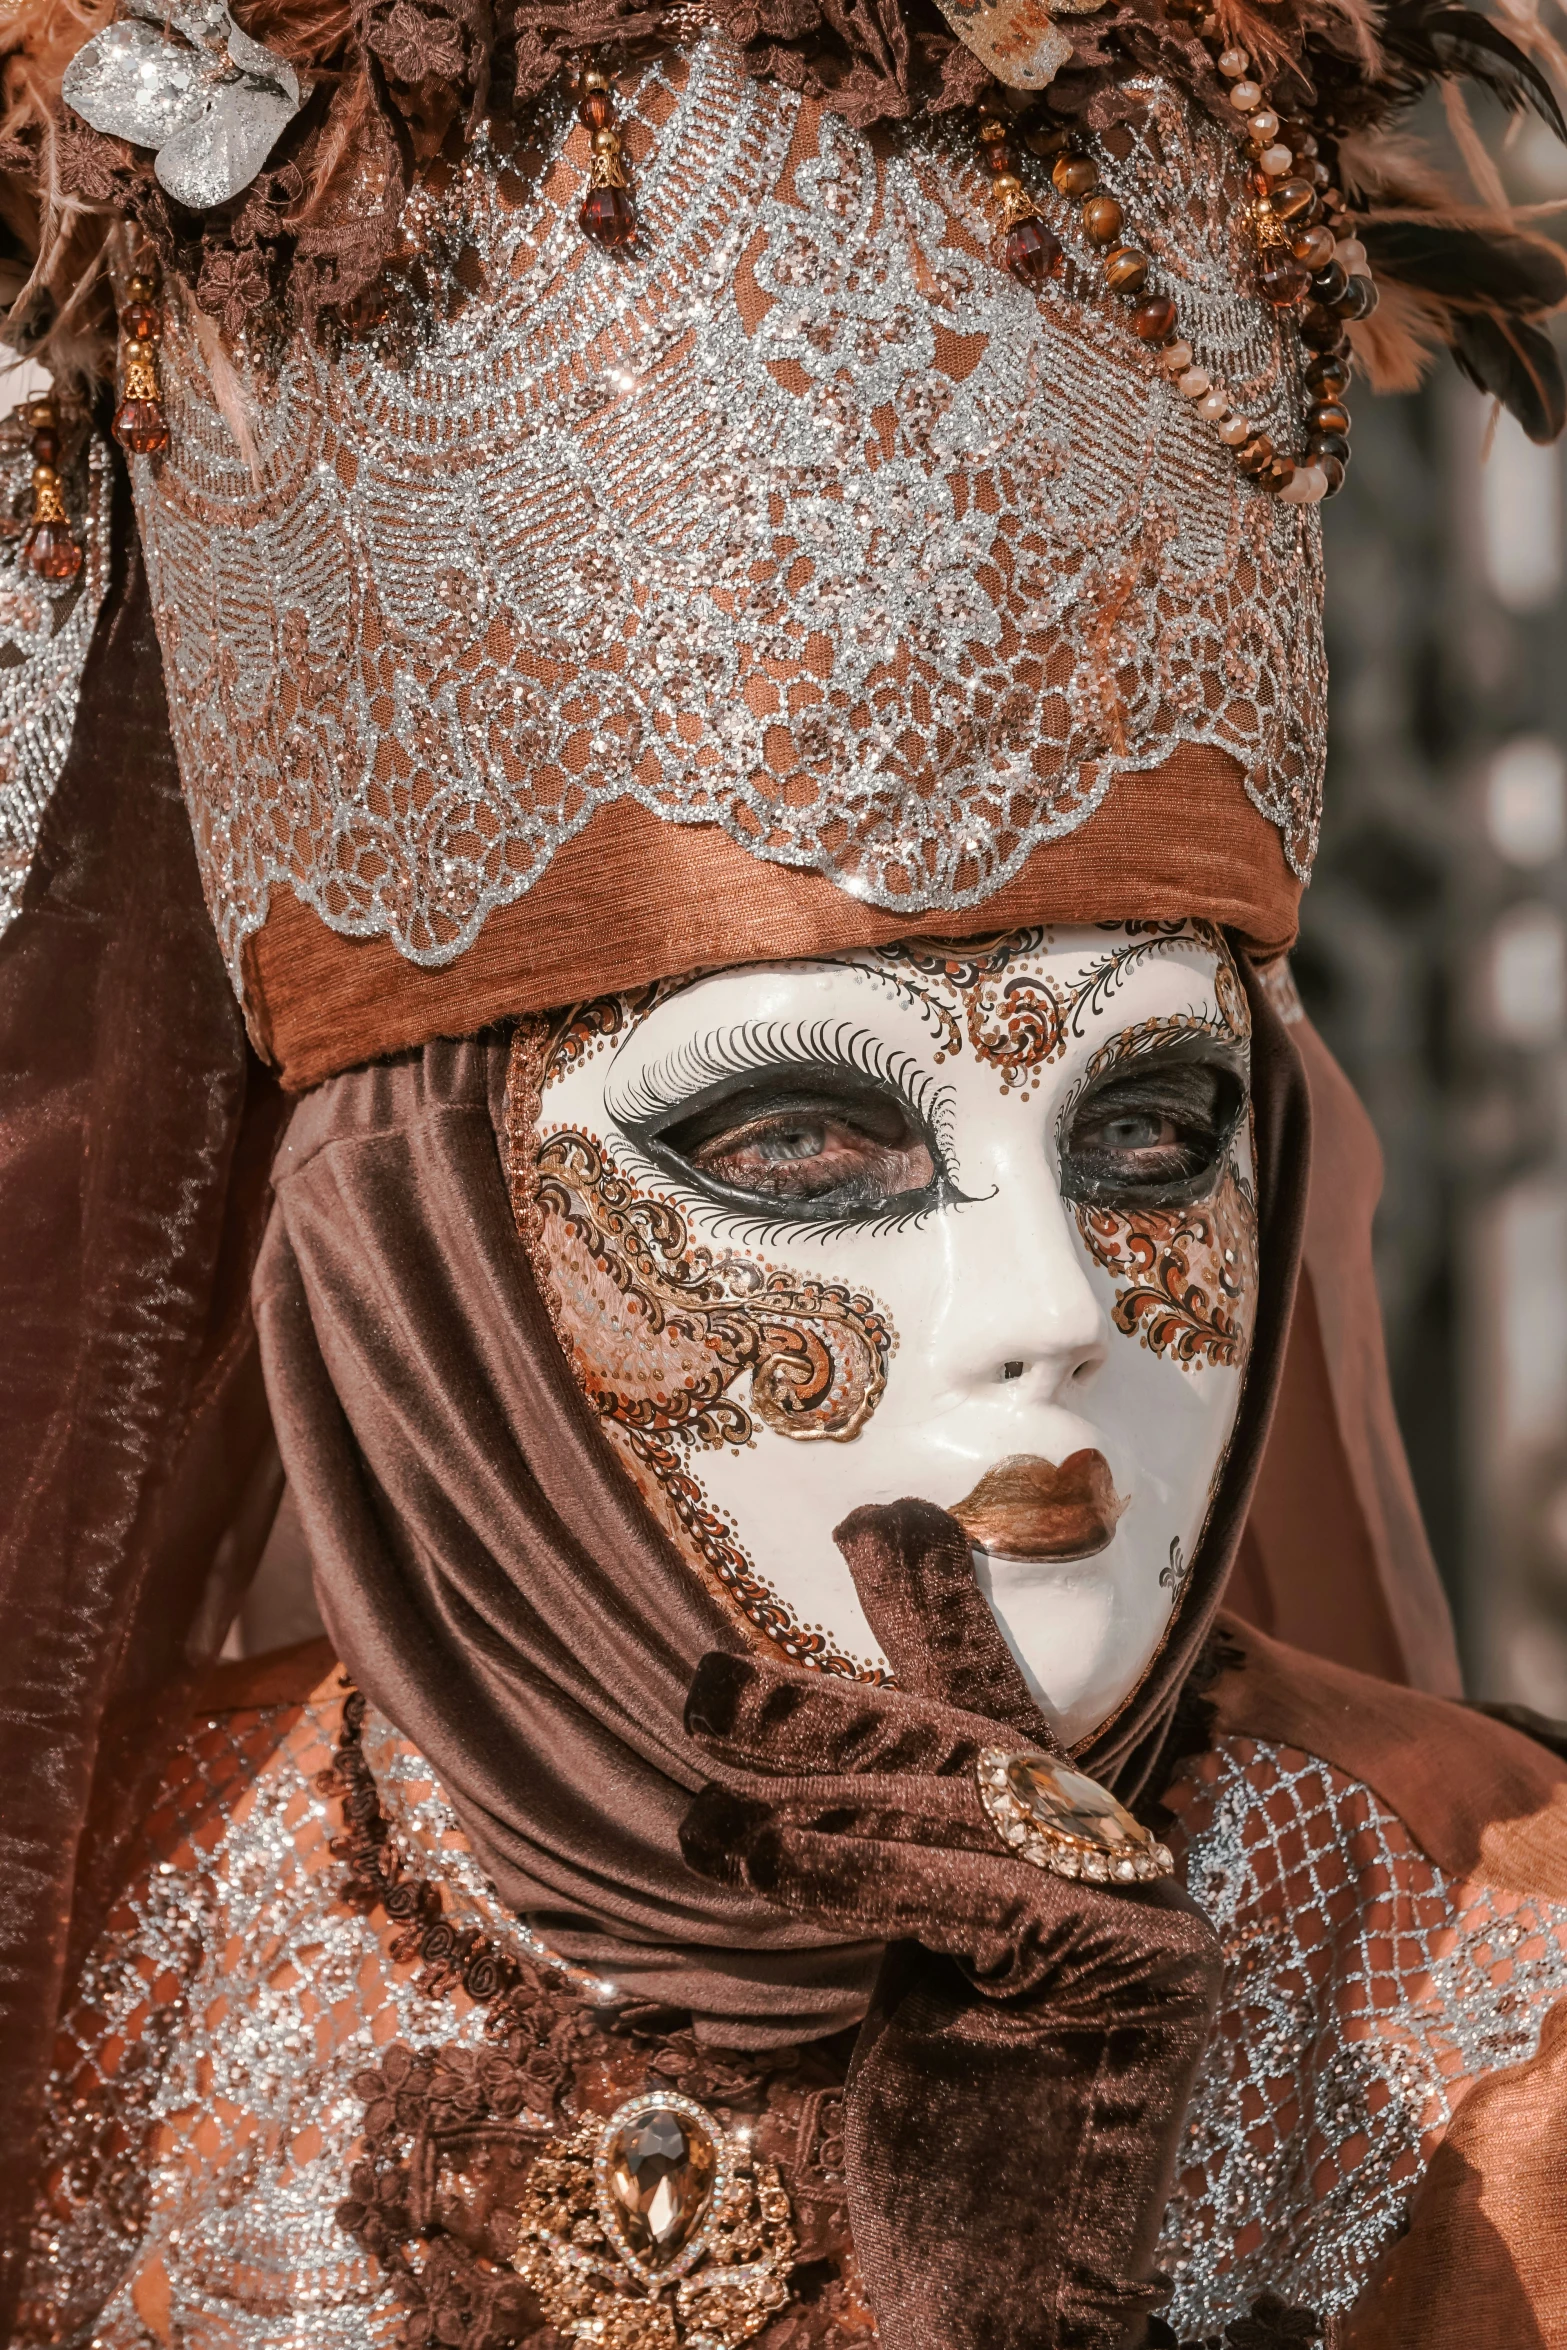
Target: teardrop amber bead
column 50, row 550
column 660, row 2172
column 141, row 427
column 609, row 218
column 1031, row 252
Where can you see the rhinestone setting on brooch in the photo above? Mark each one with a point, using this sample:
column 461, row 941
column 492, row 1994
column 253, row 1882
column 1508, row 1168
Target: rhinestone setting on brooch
column 655, row 2230
column 1062, row 1821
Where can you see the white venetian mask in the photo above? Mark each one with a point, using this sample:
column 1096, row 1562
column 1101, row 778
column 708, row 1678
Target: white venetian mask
column 969, row 1221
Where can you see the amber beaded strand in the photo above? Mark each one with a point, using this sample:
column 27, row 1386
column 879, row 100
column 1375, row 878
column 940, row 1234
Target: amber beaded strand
column 49, row 547
column 139, row 422
column 1028, row 248
column 1293, row 237
column 608, row 215
column 1306, row 264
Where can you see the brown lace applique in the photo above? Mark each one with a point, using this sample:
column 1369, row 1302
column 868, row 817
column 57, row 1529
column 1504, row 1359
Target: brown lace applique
column 452, row 2135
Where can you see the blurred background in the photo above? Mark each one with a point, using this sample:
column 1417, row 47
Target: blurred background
column 1433, row 957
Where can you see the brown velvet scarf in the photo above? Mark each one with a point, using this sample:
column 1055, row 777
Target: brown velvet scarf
column 493, row 1581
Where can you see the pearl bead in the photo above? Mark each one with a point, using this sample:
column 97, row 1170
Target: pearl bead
column 1193, row 383
column 1306, row 485
column 1244, row 96
column 1214, row 405
column 1265, row 124
column 1234, row 430
column 1175, row 358
column 1233, row 63
column 1276, row 161
column 1352, row 258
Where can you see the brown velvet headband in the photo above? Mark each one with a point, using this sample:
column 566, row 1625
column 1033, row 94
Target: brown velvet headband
column 492, row 1579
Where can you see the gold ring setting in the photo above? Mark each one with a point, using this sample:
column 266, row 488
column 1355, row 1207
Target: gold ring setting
column 1062, row 1821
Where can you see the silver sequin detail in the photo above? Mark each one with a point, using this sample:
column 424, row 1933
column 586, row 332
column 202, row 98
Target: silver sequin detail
column 1332, row 2076
column 804, row 520
column 269, row 1998
column 239, row 1990
column 45, row 630
column 187, row 82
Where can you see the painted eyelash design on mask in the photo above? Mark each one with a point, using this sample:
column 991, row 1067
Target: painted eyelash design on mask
column 1145, row 1039
column 678, row 1082
column 1143, row 1042
column 984, row 995
column 692, row 1076
column 1106, row 977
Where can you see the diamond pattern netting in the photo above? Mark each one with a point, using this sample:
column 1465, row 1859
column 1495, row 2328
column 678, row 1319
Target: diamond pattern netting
column 203, row 2120
column 1364, row 1992
column 805, row 520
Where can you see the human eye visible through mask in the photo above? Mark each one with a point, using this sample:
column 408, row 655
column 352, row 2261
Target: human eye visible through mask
column 1153, row 1128
column 829, row 1125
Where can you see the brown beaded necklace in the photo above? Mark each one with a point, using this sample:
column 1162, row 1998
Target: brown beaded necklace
column 1307, row 264
column 478, row 2163
column 1309, row 261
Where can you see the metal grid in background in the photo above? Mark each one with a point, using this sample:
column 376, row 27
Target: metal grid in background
column 1434, row 959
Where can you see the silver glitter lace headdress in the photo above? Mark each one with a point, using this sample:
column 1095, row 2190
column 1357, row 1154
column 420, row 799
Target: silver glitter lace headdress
column 806, row 522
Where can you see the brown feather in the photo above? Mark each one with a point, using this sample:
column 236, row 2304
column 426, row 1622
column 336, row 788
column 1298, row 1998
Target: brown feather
column 1394, row 347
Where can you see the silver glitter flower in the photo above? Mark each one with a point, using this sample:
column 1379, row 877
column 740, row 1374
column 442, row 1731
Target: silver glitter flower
column 182, row 77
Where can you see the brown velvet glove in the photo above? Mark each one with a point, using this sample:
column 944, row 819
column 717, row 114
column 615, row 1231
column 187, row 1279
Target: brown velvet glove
column 1019, row 2086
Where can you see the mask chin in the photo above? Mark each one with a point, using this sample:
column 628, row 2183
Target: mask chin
column 1079, row 1635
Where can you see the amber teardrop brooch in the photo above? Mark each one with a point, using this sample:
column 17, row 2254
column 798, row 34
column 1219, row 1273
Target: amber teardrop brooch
column 655, row 2229
column 1063, row 1821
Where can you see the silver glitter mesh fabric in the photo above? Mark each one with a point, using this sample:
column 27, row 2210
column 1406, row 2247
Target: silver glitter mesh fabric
column 45, row 630
column 203, row 2116
column 805, row 520
column 203, row 2121
column 1363, row 1992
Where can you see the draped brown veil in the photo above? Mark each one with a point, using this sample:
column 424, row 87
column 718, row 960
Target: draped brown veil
column 495, row 1584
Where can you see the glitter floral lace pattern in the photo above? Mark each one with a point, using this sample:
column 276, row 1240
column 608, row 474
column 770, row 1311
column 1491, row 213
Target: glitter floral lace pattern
column 204, row 2118
column 44, row 635
column 806, row 521
column 1364, row 1991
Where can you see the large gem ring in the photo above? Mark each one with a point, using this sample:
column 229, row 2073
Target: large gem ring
column 1063, row 1821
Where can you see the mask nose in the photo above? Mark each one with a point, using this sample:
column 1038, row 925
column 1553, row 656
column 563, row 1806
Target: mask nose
column 1025, row 1314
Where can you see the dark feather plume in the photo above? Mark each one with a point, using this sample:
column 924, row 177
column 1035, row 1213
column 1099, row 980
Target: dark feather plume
column 1436, row 40
column 1470, row 267
column 1519, row 365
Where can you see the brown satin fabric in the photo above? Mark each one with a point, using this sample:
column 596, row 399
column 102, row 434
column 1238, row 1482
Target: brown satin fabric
column 1481, row 2262
column 484, row 1564
column 491, row 1577
column 632, row 899
column 1477, row 1796
column 1335, row 1558
column 130, row 1401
